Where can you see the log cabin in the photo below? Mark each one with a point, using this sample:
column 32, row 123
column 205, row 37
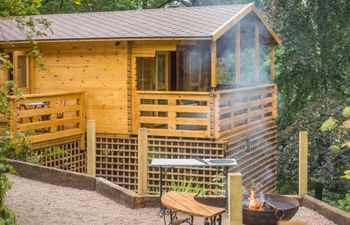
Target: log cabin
column 199, row 79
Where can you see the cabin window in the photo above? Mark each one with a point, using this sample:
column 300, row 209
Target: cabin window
column 195, row 71
column 153, row 72
column 20, row 73
column 145, row 73
column 162, row 71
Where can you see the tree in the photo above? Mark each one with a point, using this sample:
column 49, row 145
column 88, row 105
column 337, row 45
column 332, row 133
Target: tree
column 313, row 75
column 70, row 6
column 314, row 58
column 16, row 10
column 326, row 162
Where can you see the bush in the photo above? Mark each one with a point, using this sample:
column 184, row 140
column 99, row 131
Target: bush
column 325, row 166
column 344, row 204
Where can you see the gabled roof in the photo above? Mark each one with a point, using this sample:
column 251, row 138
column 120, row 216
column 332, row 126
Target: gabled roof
column 205, row 22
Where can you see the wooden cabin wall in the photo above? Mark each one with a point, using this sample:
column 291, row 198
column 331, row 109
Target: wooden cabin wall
column 99, row 68
column 2, row 75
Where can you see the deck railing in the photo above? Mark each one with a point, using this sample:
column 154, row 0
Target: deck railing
column 48, row 116
column 203, row 114
column 242, row 108
column 184, row 114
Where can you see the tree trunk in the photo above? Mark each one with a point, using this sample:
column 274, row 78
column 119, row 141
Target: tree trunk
column 319, row 191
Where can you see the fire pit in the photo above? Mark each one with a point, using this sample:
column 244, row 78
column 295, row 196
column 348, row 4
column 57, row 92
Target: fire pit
column 268, row 209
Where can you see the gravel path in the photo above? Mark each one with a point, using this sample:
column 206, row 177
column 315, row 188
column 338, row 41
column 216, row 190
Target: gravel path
column 37, row 203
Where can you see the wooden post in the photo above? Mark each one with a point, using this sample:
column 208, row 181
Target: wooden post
column 238, row 54
column 274, row 102
column 303, row 149
column 257, row 53
column 91, row 147
column 13, row 115
column 272, row 63
column 213, row 64
column 235, row 213
column 82, row 119
column 142, row 162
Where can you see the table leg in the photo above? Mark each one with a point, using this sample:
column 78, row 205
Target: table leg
column 162, row 209
column 226, row 185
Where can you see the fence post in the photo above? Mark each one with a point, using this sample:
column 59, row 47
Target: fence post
column 142, row 161
column 235, row 213
column 91, row 147
column 13, row 115
column 303, row 148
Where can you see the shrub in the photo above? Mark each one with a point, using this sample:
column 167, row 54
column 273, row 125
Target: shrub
column 326, row 161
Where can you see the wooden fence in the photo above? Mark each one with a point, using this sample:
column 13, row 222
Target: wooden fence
column 117, row 161
column 63, row 153
column 48, row 116
column 182, row 114
column 239, row 109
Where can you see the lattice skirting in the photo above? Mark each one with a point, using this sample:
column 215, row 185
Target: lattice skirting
column 116, row 160
column 63, row 154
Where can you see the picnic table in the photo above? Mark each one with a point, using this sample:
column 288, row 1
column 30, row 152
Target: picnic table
column 164, row 164
column 187, row 204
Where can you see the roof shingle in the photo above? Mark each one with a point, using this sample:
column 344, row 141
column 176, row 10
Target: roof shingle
column 186, row 22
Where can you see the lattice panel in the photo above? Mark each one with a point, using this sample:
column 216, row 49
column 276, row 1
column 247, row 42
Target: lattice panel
column 116, row 160
column 184, row 149
column 65, row 155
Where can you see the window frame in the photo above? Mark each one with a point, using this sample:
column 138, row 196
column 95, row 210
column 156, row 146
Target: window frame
column 15, row 56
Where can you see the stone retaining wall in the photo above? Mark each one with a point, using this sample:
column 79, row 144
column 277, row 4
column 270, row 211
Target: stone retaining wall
column 85, row 182
column 338, row 216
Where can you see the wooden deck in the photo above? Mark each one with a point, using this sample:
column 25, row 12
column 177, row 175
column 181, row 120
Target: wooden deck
column 211, row 115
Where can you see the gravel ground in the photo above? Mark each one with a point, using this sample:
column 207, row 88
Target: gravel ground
column 37, row 203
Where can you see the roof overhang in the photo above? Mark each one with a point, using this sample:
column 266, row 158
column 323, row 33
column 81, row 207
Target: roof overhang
column 208, row 38
column 238, row 17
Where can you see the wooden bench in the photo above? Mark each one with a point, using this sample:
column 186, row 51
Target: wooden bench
column 187, row 204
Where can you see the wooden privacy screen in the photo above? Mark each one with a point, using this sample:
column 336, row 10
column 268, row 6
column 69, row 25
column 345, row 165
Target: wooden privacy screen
column 116, row 160
column 183, row 114
column 239, row 109
column 48, row 116
column 255, row 151
column 65, row 154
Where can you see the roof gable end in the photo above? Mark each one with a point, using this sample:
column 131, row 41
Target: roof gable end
column 238, row 17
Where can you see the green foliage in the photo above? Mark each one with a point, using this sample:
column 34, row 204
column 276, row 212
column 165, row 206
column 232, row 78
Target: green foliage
column 70, row 6
column 344, row 204
column 329, row 124
column 219, row 184
column 346, row 175
column 189, row 187
column 313, row 60
column 325, row 166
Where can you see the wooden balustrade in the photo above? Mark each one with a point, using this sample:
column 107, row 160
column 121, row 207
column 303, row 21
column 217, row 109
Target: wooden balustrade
column 48, row 116
column 184, row 114
column 203, row 114
column 241, row 108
